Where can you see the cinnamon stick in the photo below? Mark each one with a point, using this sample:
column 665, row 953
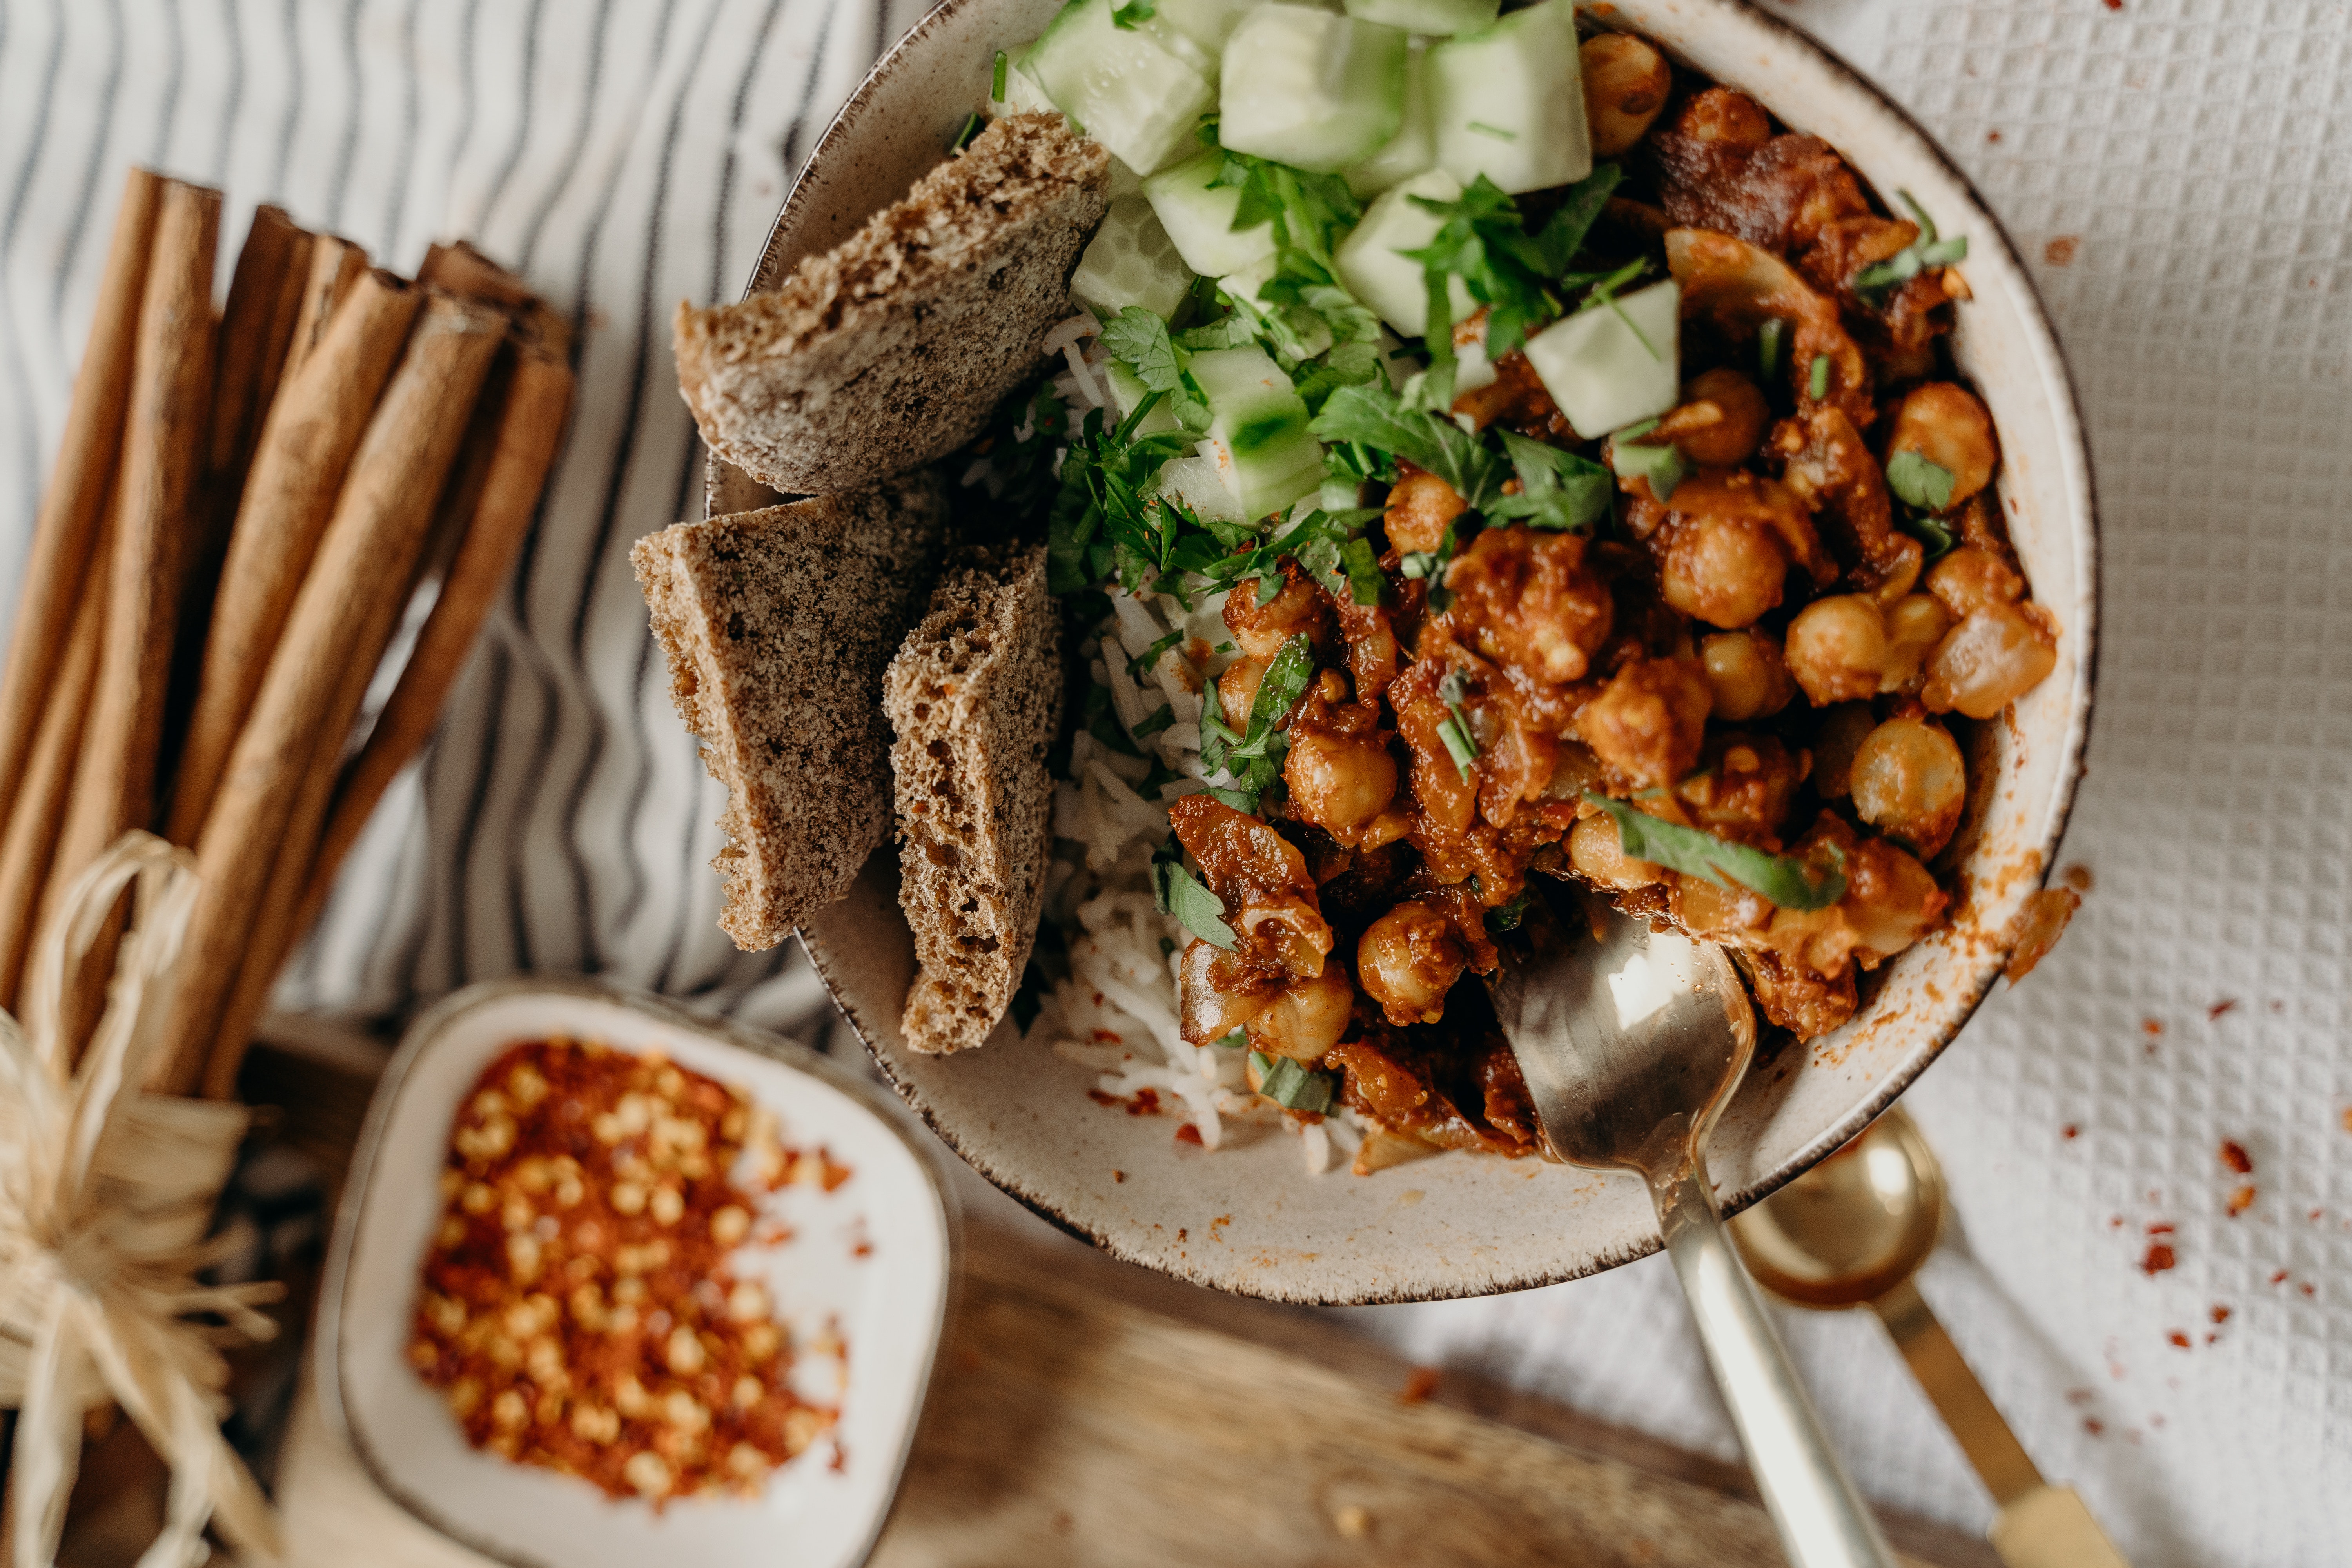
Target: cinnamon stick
column 264, row 297
column 530, row 428
column 336, row 267
column 305, row 448
column 162, row 456
column 76, row 501
column 342, row 615
column 30, row 843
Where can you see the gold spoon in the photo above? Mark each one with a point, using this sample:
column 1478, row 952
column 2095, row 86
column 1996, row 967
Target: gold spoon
column 1851, row 1232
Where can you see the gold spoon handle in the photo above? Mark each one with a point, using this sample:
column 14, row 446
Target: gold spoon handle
column 2040, row 1526
column 1958, row 1397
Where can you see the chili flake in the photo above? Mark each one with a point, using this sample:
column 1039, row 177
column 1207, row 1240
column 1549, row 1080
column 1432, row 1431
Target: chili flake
column 578, row 1310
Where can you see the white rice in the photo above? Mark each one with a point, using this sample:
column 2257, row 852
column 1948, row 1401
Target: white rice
column 1118, row 1013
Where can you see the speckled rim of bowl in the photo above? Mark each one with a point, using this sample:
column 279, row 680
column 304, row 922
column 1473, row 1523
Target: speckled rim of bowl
column 729, row 489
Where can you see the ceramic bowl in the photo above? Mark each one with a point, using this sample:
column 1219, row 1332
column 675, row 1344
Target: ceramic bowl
column 872, row 1257
column 1249, row 1219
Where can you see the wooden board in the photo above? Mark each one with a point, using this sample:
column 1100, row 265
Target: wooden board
column 1085, row 1412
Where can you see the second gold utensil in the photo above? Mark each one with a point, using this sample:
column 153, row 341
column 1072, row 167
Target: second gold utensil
column 1851, row 1232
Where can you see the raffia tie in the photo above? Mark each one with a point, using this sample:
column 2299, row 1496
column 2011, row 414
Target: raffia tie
column 106, row 1193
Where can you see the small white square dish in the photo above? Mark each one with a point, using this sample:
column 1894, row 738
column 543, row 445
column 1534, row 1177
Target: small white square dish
column 866, row 1262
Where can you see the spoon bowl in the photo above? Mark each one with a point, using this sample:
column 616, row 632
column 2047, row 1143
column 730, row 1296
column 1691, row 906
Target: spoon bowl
column 1853, row 1227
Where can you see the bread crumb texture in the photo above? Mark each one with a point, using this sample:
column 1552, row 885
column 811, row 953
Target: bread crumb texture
column 975, row 697
column 892, row 349
column 778, row 625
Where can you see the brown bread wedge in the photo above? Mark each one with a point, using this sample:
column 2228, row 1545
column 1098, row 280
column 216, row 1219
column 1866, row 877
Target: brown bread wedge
column 778, row 625
column 891, row 349
column 975, row 696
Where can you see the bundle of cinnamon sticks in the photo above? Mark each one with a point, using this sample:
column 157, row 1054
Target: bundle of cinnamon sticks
column 246, row 505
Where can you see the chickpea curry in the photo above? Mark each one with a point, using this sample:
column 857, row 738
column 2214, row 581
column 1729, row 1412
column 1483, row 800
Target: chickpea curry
column 1649, row 542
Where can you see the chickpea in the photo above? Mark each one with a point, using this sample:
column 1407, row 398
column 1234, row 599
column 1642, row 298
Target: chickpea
column 1908, row 781
column 1714, row 914
column 1947, row 426
column 1408, row 958
column 1238, row 689
column 1309, row 1017
column 1891, row 900
column 1972, row 578
column 1338, row 783
column 1625, row 84
column 1915, row 623
column 1260, row 630
column 1725, row 571
column 1208, row 1011
column 1837, row 648
column 1418, row 510
column 1726, row 116
column 1987, row 661
column 1598, row 855
column 1721, row 420
column 1747, row 674
column 1844, row 729
column 1649, row 722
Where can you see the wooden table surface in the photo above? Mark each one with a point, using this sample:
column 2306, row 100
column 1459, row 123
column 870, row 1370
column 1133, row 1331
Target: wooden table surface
column 1086, row 1412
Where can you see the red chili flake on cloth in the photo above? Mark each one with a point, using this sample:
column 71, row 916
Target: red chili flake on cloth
column 1419, row 1384
column 2307, row 1288
column 2225, row 1005
column 2093, row 1425
column 2162, row 1228
column 2115, row 4
column 2060, row 251
column 2279, row 1278
column 2239, row 1201
column 2178, row 1338
column 2220, row 1314
column 2151, row 1027
column 1992, row 135
column 577, row 1306
column 2070, row 1130
column 2160, row 1258
column 2235, row 1155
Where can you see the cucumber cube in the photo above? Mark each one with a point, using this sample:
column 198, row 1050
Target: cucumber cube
column 1130, row 262
column 1208, row 23
column 1199, row 218
column 1412, row 149
column 1435, row 16
column 1128, row 392
column 1598, row 367
column 1367, row 261
column 1508, row 103
column 1131, row 89
column 1310, row 88
column 1258, row 429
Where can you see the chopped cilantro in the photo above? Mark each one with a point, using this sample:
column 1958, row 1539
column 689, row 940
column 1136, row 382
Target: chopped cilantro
column 1506, row 917
column 1918, row 482
column 1936, row 540
column 1787, row 882
column 1365, row 584
column 1483, row 241
column 1496, row 131
column 1176, row 891
column 1149, row 657
column 1557, row 490
column 1254, row 758
column 1771, row 342
column 1139, row 340
column 1379, row 418
column 996, row 81
column 1232, row 1042
column 971, row 127
column 1133, row 14
column 1662, row 465
column 1292, row 1084
column 1303, row 309
column 1876, row 282
column 1816, row 378
column 1455, row 728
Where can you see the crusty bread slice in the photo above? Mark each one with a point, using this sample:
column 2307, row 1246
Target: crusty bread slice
column 779, row 626
column 975, row 696
column 892, row 349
